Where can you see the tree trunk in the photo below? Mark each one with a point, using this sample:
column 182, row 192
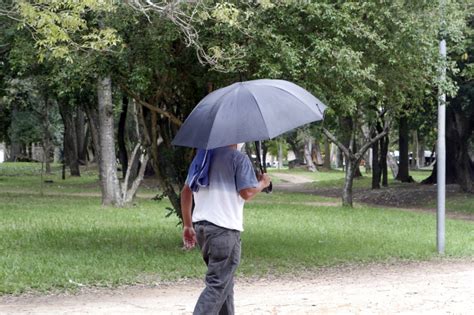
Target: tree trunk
column 416, row 161
column 340, row 159
column 159, row 166
column 376, row 168
column 383, row 159
column 345, row 128
column 357, row 172
column 93, row 118
column 352, row 160
column 327, row 154
column 108, row 169
column 129, row 186
column 135, row 137
column 280, row 155
column 15, row 147
column 403, row 141
column 368, row 155
column 80, row 135
column 316, row 153
column 368, row 161
column 459, row 166
column 392, row 163
column 46, row 154
column 123, row 156
column 264, row 155
column 348, row 182
column 70, row 139
column 307, row 155
column 46, row 137
column 420, row 155
column 293, row 142
column 88, row 144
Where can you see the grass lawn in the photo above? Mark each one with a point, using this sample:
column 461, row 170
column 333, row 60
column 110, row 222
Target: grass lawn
column 26, row 177
column 61, row 242
column 334, row 179
column 460, row 203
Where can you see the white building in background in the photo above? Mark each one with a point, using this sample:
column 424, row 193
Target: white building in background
column 2, row 152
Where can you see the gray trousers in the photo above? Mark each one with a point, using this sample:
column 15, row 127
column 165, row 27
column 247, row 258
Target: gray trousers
column 220, row 249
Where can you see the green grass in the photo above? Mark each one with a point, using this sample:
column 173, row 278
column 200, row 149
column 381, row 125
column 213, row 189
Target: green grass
column 419, row 175
column 287, row 238
column 463, row 203
column 63, row 241
column 26, row 177
column 460, row 202
column 57, row 242
column 334, row 179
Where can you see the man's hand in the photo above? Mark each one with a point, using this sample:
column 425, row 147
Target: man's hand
column 264, row 179
column 189, row 237
column 263, row 182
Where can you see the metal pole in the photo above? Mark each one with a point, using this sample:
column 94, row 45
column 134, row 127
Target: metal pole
column 441, row 156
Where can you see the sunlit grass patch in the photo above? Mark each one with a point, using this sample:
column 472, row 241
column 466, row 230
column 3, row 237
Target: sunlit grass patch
column 285, row 237
column 460, row 202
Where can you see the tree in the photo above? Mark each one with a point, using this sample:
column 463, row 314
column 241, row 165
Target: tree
column 34, row 117
column 64, row 30
column 362, row 59
column 460, row 113
column 279, row 148
column 403, row 145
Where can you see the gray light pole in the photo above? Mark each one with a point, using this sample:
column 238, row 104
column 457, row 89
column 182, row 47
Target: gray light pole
column 441, row 149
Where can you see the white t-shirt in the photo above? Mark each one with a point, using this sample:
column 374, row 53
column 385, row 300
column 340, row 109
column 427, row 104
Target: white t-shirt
column 220, row 203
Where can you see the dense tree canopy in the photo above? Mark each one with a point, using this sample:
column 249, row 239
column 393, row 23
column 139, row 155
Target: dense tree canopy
column 372, row 62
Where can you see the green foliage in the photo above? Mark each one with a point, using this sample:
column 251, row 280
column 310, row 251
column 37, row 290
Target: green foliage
column 358, row 57
column 24, row 128
column 273, row 146
column 60, row 27
column 28, row 118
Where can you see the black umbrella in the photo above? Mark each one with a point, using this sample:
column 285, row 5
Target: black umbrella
column 248, row 111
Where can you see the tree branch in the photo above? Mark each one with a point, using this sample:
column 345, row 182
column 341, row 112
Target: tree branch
column 141, row 173
column 175, row 12
column 371, row 141
column 151, row 107
column 129, row 169
column 333, row 139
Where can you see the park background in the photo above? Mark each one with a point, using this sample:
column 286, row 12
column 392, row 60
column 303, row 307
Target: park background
column 108, row 85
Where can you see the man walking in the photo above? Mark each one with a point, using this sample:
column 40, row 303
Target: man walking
column 217, row 220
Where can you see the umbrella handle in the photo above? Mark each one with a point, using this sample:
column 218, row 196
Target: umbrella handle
column 269, row 188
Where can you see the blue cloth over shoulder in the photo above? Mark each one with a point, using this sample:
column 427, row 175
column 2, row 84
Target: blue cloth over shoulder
column 198, row 173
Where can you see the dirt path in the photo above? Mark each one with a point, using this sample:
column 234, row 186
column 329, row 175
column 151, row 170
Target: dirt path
column 436, row 287
column 292, row 178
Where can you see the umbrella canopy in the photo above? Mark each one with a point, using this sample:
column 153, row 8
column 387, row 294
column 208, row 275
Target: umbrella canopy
column 248, row 111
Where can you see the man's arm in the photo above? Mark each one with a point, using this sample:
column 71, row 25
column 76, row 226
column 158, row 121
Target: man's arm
column 249, row 193
column 189, row 235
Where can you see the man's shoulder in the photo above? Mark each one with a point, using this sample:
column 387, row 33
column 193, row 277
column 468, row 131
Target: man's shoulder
column 239, row 156
column 235, row 157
